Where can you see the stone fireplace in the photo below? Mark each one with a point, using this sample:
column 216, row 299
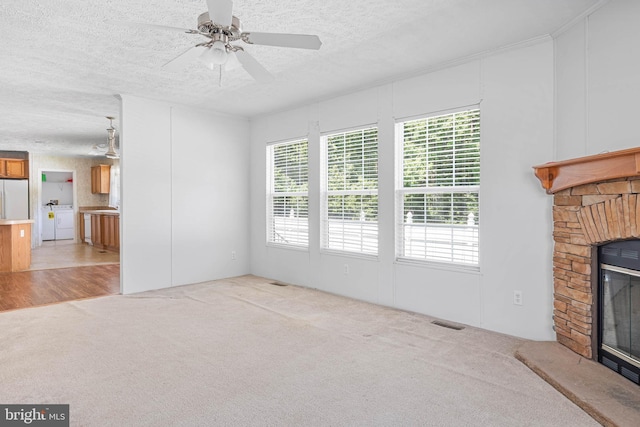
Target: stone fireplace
column 596, row 201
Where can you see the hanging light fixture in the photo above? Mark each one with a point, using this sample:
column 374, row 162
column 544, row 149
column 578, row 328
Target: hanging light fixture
column 111, row 131
column 216, row 53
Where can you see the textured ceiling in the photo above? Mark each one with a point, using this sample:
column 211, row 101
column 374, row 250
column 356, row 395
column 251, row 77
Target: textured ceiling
column 63, row 62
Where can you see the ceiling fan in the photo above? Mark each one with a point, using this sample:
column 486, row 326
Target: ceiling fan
column 108, row 150
column 222, row 29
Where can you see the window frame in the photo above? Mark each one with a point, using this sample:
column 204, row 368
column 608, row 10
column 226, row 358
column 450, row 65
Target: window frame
column 325, row 193
column 401, row 191
column 271, row 193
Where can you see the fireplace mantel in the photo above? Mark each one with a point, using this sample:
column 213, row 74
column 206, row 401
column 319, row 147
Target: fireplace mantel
column 557, row 176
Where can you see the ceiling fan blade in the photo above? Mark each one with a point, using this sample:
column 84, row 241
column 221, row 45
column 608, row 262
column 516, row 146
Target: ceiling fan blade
column 184, row 59
column 253, row 67
column 299, row 41
column 220, row 11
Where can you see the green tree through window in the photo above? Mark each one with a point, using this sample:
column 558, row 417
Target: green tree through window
column 288, row 207
column 351, row 196
column 440, row 187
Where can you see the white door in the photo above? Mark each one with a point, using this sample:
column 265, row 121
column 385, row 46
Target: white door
column 64, row 224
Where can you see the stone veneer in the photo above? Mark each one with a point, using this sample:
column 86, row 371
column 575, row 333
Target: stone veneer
column 585, row 217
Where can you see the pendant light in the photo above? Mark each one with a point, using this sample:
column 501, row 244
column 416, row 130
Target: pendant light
column 111, row 131
column 216, row 53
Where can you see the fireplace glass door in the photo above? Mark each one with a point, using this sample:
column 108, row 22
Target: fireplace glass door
column 620, row 308
column 621, row 312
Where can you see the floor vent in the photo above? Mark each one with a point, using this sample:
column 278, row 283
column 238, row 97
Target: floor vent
column 277, row 283
column 448, row 325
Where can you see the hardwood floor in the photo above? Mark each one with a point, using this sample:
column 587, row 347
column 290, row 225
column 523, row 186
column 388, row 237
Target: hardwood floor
column 61, row 271
column 41, row 287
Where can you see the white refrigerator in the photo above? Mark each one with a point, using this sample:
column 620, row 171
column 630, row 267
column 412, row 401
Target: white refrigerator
column 14, row 199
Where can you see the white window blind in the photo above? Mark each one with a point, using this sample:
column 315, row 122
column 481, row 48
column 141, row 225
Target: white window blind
column 288, row 195
column 350, row 196
column 440, row 184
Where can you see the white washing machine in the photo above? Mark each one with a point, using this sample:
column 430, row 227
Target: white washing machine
column 48, row 223
column 58, row 222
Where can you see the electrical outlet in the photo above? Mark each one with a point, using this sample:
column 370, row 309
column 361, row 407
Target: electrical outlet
column 517, row 297
column 21, row 233
column 233, row 255
column 346, row 269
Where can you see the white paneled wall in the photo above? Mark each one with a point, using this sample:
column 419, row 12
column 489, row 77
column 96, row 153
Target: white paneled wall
column 515, row 92
column 598, row 89
column 185, row 202
column 209, row 196
column 145, row 213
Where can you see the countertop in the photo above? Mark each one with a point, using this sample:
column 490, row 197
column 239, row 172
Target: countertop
column 100, row 211
column 15, row 221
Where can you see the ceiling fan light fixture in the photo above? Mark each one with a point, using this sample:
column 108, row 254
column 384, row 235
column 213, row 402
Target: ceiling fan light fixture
column 215, row 55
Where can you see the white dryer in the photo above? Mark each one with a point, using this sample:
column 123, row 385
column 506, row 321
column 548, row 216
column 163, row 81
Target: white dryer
column 65, row 224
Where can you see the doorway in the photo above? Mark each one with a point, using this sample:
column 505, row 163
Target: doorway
column 56, row 209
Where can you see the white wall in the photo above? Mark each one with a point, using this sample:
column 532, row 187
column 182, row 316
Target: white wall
column 597, row 84
column 60, row 191
column 515, row 92
column 184, row 195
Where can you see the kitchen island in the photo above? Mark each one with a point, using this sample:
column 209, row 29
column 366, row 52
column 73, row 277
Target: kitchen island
column 15, row 244
column 104, row 228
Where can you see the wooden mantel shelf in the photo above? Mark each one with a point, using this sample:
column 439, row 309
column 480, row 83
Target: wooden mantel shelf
column 556, row 176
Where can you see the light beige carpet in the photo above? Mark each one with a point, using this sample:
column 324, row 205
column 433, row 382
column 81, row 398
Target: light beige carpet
column 245, row 352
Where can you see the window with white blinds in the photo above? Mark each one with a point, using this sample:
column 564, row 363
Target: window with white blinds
column 440, row 184
column 350, row 191
column 288, row 195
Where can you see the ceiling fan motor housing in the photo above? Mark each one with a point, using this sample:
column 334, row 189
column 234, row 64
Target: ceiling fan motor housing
column 206, row 25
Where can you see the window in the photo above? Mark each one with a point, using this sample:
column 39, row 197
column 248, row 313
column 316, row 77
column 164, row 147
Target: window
column 350, row 196
column 288, row 194
column 439, row 188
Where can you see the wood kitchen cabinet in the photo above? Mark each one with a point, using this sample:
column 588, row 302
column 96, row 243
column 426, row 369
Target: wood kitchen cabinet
column 96, row 230
column 111, row 232
column 100, row 179
column 14, row 168
column 81, row 226
column 15, row 245
column 105, row 230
